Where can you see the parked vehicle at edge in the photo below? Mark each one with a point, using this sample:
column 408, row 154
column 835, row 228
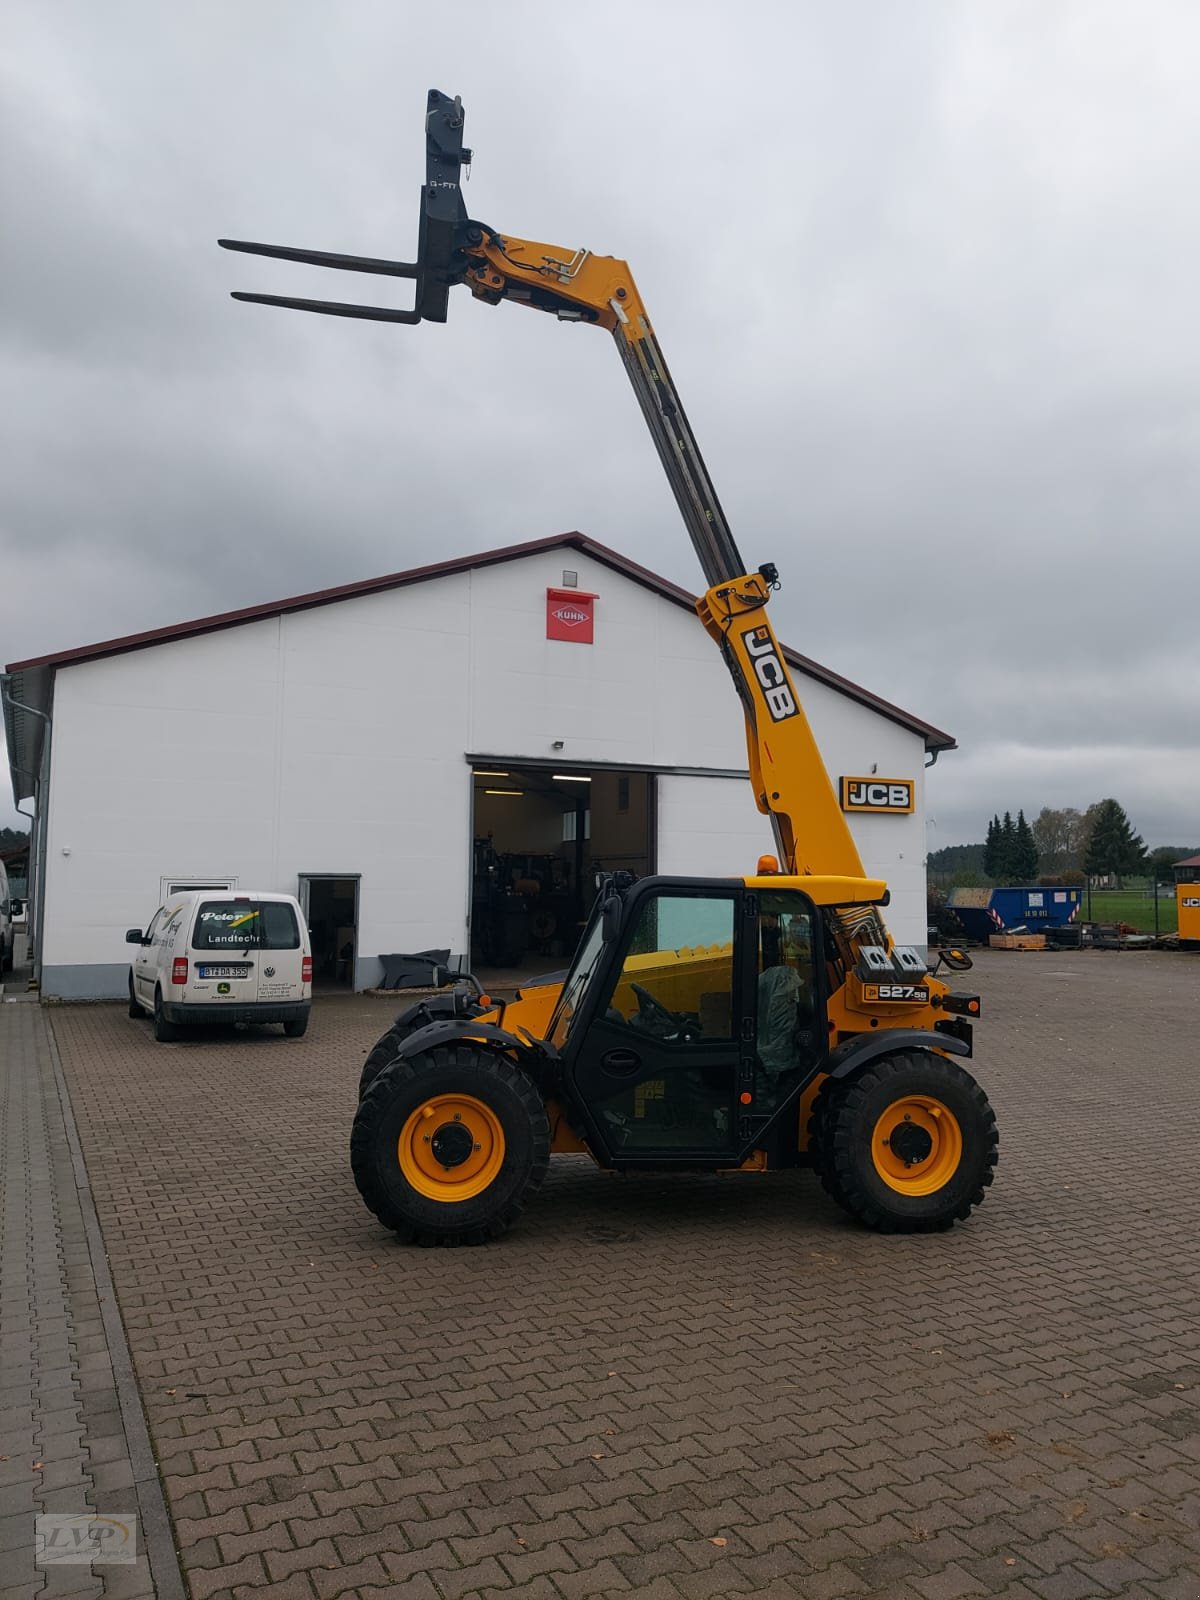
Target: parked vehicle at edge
column 7, row 932
column 222, row 957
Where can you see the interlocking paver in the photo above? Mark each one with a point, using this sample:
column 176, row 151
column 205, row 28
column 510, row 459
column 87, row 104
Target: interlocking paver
column 63, row 1447
column 896, row 1418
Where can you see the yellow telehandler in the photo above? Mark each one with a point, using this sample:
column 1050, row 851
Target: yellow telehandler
column 712, row 1024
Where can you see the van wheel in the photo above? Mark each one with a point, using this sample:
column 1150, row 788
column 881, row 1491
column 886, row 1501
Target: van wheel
column 165, row 1032
column 908, row 1145
column 297, row 1029
column 449, row 1145
column 135, row 1010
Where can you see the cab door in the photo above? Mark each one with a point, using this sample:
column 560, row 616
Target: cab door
column 667, row 1039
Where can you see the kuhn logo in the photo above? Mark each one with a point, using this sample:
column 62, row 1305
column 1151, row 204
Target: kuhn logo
column 569, row 616
column 877, row 794
column 768, row 669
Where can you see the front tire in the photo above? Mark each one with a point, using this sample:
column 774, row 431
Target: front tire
column 908, row 1145
column 449, row 1146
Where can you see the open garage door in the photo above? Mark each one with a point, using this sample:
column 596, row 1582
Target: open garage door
column 541, row 832
column 709, row 827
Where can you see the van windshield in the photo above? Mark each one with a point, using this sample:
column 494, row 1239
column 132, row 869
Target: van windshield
column 239, row 924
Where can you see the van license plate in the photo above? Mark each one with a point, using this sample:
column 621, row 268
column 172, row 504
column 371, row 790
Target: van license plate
column 223, row 972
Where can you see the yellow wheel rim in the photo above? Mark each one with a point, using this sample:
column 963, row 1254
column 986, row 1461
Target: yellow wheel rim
column 451, row 1148
column 917, row 1145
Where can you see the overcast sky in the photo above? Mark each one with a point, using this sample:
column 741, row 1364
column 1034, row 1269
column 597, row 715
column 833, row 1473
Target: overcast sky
column 925, row 274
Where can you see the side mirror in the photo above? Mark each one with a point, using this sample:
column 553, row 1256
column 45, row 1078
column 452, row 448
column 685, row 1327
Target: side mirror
column 134, row 936
column 17, row 908
column 610, row 918
column 956, row 960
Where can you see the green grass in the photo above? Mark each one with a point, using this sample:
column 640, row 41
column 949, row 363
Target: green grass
column 1130, row 905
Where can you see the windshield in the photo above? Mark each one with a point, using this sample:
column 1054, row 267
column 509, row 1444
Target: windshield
column 579, row 978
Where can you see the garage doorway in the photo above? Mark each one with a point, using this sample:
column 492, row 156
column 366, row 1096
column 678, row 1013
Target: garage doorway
column 330, row 906
column 541, row 832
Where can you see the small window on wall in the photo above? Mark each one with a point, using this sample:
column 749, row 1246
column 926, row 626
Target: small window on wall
column 570, row 829
column 169, row 886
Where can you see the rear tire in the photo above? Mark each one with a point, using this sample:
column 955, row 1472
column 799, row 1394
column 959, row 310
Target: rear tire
column 382, row 1054
column 135, row 1010
column 297, row 1029
column 165, row 1032
column 908, row 1145
column 485, row 1153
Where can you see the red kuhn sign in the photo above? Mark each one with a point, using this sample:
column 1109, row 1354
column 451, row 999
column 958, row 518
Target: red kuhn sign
column 570, row 614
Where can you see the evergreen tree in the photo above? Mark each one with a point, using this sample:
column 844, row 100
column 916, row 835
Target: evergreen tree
column 1025, row 852
column 1114, row 849
column 989, row 848
column 1006, row 850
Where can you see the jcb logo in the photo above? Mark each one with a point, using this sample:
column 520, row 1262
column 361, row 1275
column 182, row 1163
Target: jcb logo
column 768, row 669
column 877, row 794
column 1192, row 900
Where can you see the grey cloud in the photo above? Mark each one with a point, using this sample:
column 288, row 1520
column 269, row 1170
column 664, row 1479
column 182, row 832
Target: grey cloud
column 924, row 274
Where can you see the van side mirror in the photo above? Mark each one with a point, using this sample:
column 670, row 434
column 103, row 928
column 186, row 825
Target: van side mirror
column 135, row 936
column 16, row 908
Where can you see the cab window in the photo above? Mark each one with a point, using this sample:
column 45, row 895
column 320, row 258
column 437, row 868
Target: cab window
column 787, row 1005
column 676, row 982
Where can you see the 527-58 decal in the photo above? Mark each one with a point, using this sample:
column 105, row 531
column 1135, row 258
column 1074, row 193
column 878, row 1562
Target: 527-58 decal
column 915, row 992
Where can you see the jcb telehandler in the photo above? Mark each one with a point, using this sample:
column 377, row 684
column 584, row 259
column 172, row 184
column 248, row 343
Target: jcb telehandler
column 712, row 1024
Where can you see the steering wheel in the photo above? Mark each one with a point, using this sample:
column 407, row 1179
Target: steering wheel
column 652, row 1008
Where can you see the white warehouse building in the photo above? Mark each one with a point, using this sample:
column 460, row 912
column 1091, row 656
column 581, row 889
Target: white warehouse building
column 435, row 760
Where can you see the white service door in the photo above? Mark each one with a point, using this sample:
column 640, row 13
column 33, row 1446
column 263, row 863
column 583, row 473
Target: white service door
column 710, row 828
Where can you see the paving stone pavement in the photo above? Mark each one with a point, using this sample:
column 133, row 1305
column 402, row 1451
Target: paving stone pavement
column 670, row 1387
column 63, row 1444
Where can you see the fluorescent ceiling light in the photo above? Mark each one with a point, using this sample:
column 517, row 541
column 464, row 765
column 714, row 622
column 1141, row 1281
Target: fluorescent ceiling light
column 569, row 777
column 480, row 773
column 504, row 791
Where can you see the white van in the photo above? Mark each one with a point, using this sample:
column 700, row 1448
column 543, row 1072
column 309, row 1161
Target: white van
column 222, row 956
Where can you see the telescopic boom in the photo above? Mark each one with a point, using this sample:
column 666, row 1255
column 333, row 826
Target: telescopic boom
column 790, row 782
